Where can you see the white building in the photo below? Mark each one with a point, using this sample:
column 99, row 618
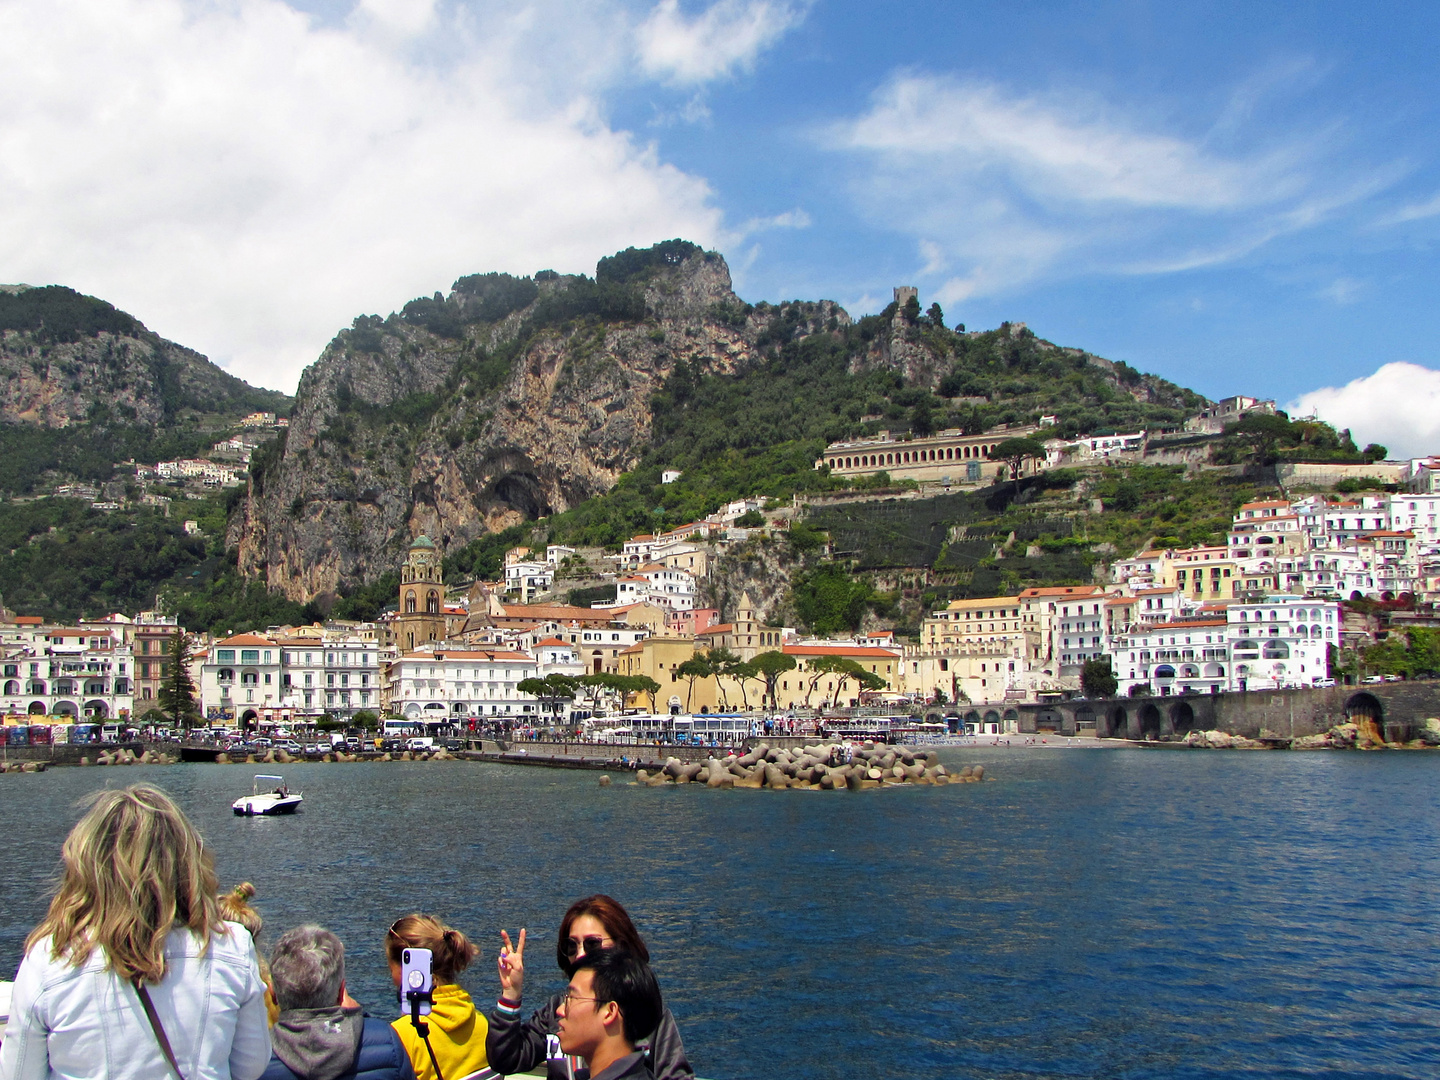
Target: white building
column 446, row 686
column 665, row 587
column 1080, row 631
column 1190, row 657
column 240, row 680
column 338, row 674
column 1281, row 640
column 1327, row 572
column 70, row 671
column 1418, row 514
column 529, row 578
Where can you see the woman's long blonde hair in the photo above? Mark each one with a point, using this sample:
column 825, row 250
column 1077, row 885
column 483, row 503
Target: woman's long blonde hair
column 133, row 869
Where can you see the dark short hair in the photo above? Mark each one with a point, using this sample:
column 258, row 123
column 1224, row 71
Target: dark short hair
column 622, row 977
column 612, row 916
column 307, row 967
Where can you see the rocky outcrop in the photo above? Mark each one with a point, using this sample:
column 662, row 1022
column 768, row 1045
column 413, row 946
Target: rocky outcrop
column 440, row 422
column 68, row 359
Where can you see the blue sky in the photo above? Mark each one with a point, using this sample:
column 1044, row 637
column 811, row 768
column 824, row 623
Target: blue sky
column 1244, row 198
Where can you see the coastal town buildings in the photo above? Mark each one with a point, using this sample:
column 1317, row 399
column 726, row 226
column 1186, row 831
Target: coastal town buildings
column 69, row 671
column 444, row 685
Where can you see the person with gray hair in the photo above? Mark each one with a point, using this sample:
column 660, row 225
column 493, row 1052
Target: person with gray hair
column 322, row 1034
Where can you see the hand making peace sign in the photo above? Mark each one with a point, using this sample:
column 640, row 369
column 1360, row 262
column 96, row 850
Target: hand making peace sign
column 512, row 966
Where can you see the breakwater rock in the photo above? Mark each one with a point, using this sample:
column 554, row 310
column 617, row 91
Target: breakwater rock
column 826, row 766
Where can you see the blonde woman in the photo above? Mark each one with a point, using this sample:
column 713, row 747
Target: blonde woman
column 457, row 1029
column 133, row 972
column 235, row 907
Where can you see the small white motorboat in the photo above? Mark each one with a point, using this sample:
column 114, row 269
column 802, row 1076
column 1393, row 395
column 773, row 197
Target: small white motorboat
column 275, row 798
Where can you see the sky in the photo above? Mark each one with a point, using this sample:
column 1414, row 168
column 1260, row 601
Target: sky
column 1241, row 197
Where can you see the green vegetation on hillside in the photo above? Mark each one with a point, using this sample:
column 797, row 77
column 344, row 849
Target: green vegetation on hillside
column 759, row 432
column 54, row 314
column 61, row 559
column 31, row 456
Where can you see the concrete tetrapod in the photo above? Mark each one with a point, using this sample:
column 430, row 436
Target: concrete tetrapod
column 831, row 767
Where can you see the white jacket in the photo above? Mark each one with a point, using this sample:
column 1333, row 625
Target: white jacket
column 85, row 1023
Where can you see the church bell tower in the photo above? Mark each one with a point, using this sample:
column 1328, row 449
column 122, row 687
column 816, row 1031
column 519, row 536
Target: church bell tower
column 422, row 597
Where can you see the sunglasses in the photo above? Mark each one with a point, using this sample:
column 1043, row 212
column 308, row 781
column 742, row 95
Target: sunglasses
column 591, row 943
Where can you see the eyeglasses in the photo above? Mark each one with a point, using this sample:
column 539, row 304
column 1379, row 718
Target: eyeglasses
column 570, row 996
column 590, row 943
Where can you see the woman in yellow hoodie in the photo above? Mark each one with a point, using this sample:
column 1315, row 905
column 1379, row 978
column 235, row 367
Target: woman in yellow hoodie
column 457, row 1028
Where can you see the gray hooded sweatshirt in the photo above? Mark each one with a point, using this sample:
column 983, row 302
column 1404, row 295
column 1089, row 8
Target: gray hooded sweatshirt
column 318, row 1044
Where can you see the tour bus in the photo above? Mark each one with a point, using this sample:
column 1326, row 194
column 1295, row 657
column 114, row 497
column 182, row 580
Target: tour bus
column 394, row 728
column 698, row 729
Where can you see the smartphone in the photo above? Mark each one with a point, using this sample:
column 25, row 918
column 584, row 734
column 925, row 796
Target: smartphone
column 415, row 980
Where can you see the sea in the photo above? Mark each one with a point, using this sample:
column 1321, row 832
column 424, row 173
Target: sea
column 1081, row 913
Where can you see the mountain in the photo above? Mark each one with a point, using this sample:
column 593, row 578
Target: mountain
column 83, row 385
column 513, row 398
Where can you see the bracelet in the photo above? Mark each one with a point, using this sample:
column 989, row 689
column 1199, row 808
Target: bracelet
column 506, row 1003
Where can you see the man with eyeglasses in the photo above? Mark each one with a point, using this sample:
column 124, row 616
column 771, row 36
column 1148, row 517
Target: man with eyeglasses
column 613, row 1003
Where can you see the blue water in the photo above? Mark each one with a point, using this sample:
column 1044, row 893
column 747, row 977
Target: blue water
column 1088, row 914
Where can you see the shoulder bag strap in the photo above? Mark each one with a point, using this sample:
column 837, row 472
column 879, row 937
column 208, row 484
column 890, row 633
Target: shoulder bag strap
column 156, row 1026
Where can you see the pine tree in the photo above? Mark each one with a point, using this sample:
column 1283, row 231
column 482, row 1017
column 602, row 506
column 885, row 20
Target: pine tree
column 177, row 688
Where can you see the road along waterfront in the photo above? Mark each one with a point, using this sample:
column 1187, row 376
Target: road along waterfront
column 1096, row 915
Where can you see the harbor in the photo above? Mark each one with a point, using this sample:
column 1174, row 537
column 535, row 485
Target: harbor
column 1124, row 913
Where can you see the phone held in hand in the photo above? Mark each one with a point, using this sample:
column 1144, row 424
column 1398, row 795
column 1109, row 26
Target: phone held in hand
column 416, row 983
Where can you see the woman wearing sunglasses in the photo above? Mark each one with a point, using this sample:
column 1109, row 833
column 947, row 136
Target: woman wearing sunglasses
column 516, row 1045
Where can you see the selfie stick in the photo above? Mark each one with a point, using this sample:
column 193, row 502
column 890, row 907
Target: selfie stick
column 415, row 997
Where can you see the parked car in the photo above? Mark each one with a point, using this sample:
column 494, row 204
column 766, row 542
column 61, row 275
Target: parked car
column 261, row 744
column 420, row 742
column 353, row 744
column 454, row 744
column 290, row 746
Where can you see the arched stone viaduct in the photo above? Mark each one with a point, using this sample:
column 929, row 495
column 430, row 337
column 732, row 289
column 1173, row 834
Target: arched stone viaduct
column 1397, row 709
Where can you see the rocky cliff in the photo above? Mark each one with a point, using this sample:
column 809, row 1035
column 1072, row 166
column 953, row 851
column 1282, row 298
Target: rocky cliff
column 68, row 359
column 507, row 399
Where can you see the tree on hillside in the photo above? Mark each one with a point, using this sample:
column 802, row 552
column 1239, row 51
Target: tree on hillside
column 1375, row 452
column 1262, row 433
column 177, row 688
column 770, row 666
column 1097, row 680
column 1015, row 452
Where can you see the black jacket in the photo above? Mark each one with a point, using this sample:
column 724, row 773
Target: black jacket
column 630, row 1067
column 514, row 1045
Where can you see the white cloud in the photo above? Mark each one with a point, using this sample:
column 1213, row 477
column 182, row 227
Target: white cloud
column 727, row 36
column 1398, row 407
column 246, row 180
column 1012, row 188
column 408, row 17
column 790, row 219
column 1342, row 291
column 1429, row 208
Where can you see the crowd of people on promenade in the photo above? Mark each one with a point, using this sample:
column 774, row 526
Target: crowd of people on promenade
column 142, row 969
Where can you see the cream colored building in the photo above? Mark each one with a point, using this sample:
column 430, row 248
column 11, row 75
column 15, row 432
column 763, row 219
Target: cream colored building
column 966, row 626
column 950, row 456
